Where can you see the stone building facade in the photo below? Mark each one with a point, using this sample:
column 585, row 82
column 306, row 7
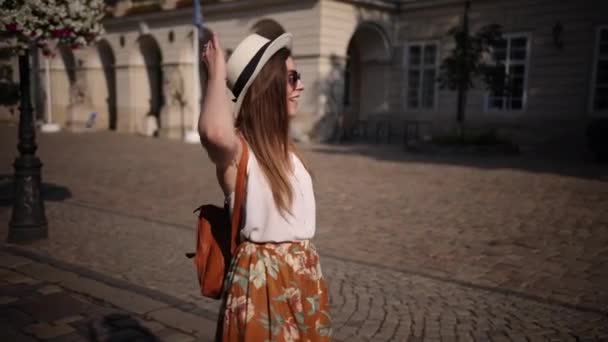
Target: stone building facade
column 363, row 62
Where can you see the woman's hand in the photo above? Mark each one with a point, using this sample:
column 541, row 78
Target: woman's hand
column 213, row 56
column 216, row 122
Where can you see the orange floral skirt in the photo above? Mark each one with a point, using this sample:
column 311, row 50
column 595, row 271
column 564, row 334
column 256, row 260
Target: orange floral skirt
column 275, row 292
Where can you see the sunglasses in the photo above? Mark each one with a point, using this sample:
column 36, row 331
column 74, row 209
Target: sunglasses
column 292, row 78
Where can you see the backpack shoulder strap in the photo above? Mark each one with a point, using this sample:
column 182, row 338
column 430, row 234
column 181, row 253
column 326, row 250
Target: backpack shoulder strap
column 239, row 193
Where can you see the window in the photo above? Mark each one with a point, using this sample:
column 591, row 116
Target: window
column 510, row 55
column 422, row 74
column 600, row 82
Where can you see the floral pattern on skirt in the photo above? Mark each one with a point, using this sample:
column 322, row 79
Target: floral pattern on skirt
column 275, row 292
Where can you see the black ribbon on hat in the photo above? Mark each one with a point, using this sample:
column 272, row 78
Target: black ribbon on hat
column 247, row 72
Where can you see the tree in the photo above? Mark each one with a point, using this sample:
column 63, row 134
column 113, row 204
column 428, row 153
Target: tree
column 467, row 62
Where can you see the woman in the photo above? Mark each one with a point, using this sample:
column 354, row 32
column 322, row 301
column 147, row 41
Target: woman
column 274, row 289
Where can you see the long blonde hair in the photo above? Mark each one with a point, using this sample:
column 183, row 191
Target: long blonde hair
column 264, row 122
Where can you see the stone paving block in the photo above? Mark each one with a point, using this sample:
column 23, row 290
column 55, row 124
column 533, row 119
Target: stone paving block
column 177, row 337
column 19, row 290
column 345, row 333
column 12, row 277
column 50, row 289
column 184, row 321
column 10, row 334
column 128, row 335
column 499, row 338
column 7, row 300
column 446, row 332
column 53, row 307
column 47, row 273
column 98, row 311
column 12, row 261
column 432, row 339
column 369, row 328
column 124, row 299
column 431, row 332
column 153, row 326
column 69, row 319
column 15, row 318
column 517, row 337
column 27, row 280
column 539, row 338
column 82, row 327
column 47, row 331
column 73, row 337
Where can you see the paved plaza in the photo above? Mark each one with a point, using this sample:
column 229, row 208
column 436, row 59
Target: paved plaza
column 415, row 247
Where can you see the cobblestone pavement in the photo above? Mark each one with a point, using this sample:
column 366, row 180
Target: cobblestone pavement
column 40, row 302
column 413, row 247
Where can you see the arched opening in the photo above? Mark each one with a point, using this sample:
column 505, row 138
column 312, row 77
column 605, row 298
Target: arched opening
column 69, row 62
column 106, row 55
column 152, row 57
column 268, row 28
column 366, row 76
column 79, row 114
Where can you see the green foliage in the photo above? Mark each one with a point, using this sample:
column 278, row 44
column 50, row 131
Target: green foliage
column 466, row 61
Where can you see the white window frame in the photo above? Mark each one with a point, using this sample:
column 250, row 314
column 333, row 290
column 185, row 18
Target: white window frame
column 524, row 99
column 596, row 56
column 406, row 63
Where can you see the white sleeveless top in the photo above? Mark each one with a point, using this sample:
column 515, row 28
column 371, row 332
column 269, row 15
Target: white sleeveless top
column 263, row 221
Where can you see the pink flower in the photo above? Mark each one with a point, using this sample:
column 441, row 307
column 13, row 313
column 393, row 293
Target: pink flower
column 47, row 53
column 12, row 27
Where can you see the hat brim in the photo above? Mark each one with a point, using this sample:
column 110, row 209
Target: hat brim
column 282, row 41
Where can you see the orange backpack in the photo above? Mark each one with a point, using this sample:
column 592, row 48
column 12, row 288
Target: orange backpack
column 217, row 236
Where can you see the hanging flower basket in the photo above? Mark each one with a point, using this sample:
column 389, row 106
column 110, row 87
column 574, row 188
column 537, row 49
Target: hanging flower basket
column 46, row 23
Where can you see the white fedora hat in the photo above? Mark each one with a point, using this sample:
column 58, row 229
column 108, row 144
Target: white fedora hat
column 248, row 59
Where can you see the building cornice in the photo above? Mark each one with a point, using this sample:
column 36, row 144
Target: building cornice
column 220, row 8
column 386, row 5
column 184, row 14
column 419, row 4
column 401, row 5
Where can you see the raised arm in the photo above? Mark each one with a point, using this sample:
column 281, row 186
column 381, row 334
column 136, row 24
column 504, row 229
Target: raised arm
column 216, row 123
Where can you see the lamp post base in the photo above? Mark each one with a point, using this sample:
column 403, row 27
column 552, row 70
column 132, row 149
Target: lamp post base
column 192, row 137
column 50, row 128
column 28, row 221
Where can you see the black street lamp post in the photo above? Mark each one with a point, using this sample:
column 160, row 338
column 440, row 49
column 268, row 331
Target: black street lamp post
column 28, row 220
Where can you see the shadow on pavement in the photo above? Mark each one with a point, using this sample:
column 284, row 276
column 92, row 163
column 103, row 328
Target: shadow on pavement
column 532, row 161
column 119, row 327
column 50, row 192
